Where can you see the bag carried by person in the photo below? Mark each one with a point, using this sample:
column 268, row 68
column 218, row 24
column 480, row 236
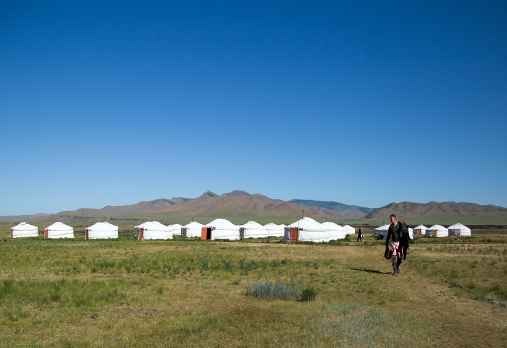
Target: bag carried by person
column 388, row 254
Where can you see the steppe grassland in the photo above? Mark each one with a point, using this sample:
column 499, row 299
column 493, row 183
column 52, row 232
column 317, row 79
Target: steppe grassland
column 113, row 293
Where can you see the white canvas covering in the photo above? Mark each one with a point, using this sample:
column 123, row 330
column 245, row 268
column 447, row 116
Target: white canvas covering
column 193, row 229
column 154, row 230
column 101, row 230
column 23, row 229
column 253, row 229
column 437, row 231
column 58, row 230
column 459, row 229
column 335, row 231
column 381, row 230
column 310, row 230
column 274, row 230
column 421, row 229
column 223, row 229
column 411, row 233
column 175, row 229
column 349, row 229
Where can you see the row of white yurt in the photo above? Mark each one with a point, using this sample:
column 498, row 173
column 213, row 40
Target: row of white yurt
column 100, row 230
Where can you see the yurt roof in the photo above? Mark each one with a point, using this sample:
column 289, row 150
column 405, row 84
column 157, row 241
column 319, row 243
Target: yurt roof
column 252, row 224
column 23, row 226
column 382, row 228
column 142, row 225
column 153, row 225
column 421, row 227
column 308, row 224
column 103, row 226
column 458, row 226
column 271, row 225
column 193, row 224
column 437, row 227
column 59, row 226
column 332, row 225
column 221, row 223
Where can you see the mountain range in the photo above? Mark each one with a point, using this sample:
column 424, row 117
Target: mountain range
column 241, row 202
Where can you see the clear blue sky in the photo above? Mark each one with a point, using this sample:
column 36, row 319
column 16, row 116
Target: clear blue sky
column 365, row 103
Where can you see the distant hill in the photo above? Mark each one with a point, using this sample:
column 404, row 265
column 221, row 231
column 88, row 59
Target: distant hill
column 111, row 211
column 209, row 203
column 410, row 209
column 351, row 211
column 241, row 205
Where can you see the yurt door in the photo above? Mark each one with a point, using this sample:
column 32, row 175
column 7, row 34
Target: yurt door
column 294, row 234
column 141, row 234
column 46, row 233
column 457, row 232
column 86, row 233
column 12, row 232
column 183, row 231
column 242, row 232
column 434, row 233
column 203, row 233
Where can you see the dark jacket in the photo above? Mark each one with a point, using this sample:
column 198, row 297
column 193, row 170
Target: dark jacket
column 393, row 233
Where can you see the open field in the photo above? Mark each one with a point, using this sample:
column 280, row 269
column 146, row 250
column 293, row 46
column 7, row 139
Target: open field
column 186, row 293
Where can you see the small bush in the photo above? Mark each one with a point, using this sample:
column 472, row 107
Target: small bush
column 308, row 294
column 269, row 290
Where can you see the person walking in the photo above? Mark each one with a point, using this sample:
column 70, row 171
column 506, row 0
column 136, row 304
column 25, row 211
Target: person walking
column 393, row 237
column 359, row 236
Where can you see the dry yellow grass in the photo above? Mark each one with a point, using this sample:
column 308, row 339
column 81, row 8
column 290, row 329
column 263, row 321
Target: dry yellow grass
column 192, row 293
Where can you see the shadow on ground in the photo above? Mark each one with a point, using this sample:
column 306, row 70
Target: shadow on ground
column 369, row 270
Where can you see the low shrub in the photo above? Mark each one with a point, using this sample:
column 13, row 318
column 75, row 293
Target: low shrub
column 308, row 294
column 270, row 290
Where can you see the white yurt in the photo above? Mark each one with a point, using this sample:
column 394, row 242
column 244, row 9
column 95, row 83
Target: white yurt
column 381, row 230
column 349, row 229
column 58, row 230
column 175, row 229
column 252, row 229
column 306, row 230
column 459, row 230
column 220, row 229
column 192, row 229
column 420, row 230
column 101, row 230
column 437, row 231
column 154, row 230
column 24, row 230
column 335, row 231
column 274, row 230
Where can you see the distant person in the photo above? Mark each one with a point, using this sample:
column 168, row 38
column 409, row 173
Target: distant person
column 393, row 237
column 359, row 236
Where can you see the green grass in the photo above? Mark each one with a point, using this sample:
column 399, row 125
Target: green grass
column 115, row 293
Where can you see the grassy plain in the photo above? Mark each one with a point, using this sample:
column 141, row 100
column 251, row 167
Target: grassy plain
column 188, row 293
